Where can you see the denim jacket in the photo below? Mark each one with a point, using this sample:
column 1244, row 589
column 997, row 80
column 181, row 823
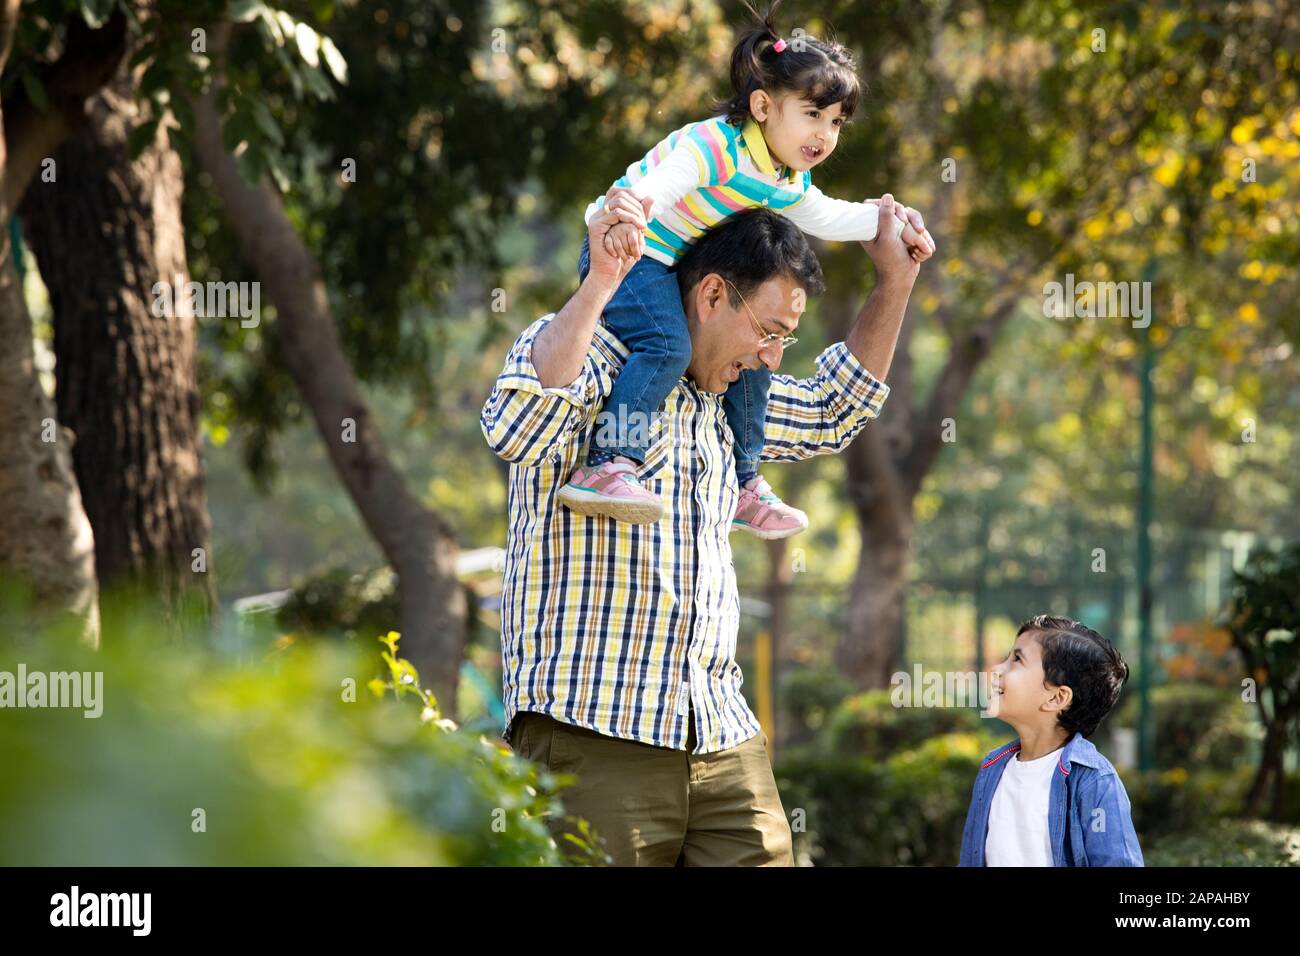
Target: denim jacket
column 1083, row 784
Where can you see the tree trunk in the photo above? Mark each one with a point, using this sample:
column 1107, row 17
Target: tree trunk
column 104, row 233
column 418, row 544
column 1270, row 768
column 47, row 550
column 869, row 654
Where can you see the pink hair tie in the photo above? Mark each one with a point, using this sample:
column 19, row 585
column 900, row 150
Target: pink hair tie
column 779, row 45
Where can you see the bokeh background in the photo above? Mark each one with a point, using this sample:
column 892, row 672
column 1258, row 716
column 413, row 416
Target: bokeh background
column 405, row 183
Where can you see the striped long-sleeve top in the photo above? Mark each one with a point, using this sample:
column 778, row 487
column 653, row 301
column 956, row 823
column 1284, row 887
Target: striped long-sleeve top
column 621, row 628
column 710, row 170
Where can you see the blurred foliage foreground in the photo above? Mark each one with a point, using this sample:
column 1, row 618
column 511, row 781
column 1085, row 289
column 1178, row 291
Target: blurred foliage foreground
column 316, row 754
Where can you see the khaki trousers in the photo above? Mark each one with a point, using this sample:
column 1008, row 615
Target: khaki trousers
column 655, row 806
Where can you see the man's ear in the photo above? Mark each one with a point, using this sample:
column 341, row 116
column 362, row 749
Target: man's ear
column 708, row 296
column 760, row 105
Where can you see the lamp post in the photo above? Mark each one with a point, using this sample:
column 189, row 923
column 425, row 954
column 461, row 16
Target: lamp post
column 1146, row 479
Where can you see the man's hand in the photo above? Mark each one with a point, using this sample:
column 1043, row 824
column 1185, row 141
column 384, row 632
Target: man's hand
column 893, row 259
column 612, row 254
column 914, row 234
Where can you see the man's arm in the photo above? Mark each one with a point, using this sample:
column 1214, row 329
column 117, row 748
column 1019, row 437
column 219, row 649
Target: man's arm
column 874, row 335
column 561, row 348
column 550, row 385
column 822, row 414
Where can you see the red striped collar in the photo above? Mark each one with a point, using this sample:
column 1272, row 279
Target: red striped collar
column 1015, row 748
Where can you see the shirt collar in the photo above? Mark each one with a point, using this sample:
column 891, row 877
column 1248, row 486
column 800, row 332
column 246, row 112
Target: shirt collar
column 752, row 134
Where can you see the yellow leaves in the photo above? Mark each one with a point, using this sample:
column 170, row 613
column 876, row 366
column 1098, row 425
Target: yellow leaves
column 1248, row 312
column 1244, row 131
column 219, row 434
column 1095, row 228
column 1254, row 269
column 1166, row 174
column 1069, row 427
column 1034, row 217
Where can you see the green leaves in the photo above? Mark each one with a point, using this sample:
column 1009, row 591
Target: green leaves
column 96, row 12
column 34, row 89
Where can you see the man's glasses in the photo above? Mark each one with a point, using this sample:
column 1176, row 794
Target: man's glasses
column 765, row 338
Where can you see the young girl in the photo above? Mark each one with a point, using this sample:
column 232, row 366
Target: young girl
column 790, row 100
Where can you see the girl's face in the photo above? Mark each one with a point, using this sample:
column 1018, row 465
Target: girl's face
column 798, row 133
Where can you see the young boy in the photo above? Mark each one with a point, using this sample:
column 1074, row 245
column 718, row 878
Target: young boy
column 1049, row 798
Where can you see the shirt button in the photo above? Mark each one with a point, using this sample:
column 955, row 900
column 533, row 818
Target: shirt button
column 684, row 704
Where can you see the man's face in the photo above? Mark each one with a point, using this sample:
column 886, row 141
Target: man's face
column 725, row 339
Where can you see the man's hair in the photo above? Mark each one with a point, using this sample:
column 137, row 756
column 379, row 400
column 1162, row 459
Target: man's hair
column 1077, row 657
column 749, row 249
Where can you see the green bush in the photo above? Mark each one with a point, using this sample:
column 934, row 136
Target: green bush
column 343, row 602
column 317, row 754
column 908, row 809
column 1177, row 800
column 1194, row 726
column 869, row 723
column 1230, row 843
column 809, row 696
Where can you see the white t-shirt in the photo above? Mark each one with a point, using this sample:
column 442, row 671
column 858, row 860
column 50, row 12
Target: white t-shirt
column 1018, row 834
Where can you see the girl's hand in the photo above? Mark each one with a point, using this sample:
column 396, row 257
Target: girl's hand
column 625, row 239
column 628, row 206
column 917, row 238
column 607, row 265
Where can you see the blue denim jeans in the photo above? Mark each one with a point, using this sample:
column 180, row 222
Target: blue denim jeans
column 646, row 315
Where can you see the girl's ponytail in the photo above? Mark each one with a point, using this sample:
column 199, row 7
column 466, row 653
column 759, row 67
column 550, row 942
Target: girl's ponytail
column 746, row 68
column 822, row 71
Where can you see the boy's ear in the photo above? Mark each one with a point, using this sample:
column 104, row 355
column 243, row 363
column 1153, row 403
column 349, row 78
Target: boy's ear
column 1060, row 700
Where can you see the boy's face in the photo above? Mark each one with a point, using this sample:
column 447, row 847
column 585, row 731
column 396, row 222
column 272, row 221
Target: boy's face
column 1020, row 694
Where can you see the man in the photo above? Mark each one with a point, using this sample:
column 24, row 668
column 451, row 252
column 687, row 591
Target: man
column 619, row 640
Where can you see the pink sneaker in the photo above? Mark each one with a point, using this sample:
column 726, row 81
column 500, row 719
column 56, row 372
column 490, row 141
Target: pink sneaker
column 612, row 490
column 761, row 512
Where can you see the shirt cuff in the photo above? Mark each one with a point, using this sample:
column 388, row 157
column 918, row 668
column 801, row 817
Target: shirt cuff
column 850, row 378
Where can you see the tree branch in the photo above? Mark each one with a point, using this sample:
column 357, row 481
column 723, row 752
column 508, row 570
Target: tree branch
column 89, row 60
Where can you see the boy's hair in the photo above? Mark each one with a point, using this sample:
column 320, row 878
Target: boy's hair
column 1076, row 656
column 820, row 70
column 749, row 249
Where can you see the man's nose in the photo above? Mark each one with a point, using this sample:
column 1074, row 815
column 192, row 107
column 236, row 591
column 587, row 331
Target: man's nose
column 771, row 355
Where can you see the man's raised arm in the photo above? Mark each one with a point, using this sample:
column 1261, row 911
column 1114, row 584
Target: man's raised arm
column 547, row 388
column 560, row 349
column 822, row 414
